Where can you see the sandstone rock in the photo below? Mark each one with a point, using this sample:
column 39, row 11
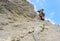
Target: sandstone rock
column 19, row 22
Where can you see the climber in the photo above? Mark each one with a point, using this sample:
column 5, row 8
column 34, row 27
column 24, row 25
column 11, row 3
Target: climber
column 41, row 14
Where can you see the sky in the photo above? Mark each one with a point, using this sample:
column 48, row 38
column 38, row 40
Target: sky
column 51, row 9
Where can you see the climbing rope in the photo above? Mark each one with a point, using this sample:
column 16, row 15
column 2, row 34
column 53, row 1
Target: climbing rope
column 35, row 36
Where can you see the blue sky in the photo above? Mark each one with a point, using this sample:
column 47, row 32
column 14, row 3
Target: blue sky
column 51, row 9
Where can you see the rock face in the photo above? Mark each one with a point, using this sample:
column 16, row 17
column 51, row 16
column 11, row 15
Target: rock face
column 19, row 22
column 20, row 7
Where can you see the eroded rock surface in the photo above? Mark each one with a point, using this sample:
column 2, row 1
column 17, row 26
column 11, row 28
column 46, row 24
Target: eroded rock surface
column 19, row 22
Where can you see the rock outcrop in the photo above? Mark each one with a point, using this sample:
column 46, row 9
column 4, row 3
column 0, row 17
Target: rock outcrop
column 19, row 22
